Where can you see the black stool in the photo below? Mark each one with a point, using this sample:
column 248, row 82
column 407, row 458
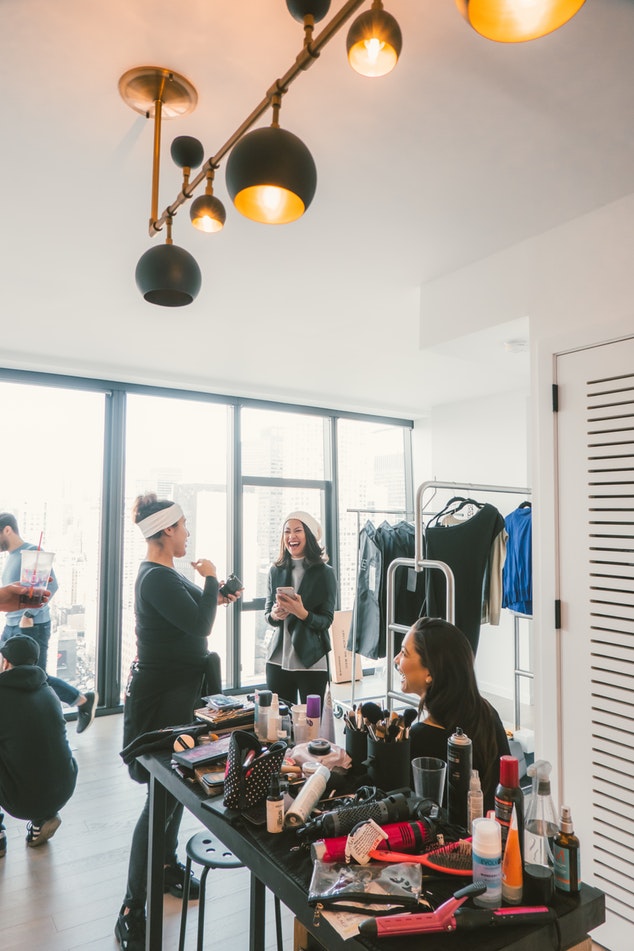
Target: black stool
column 206, row 850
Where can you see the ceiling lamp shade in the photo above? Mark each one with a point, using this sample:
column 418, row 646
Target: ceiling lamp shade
column 208, row 214
column 187, row 152
column 168, row 275
column 271, row 176
column 299, row 9
column 374, row 42
column 516, row 21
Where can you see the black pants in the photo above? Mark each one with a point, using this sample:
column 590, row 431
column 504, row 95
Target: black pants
column 287, row 684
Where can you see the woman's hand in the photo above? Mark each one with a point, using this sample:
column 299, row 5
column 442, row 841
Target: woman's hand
column 204, row 567
column 228, row 598
column 292, row 604
column 278, row 613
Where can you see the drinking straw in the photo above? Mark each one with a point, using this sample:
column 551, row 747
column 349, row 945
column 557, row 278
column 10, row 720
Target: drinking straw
column 34, row 575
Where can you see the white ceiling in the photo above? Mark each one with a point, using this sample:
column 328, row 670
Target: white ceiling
column 466, row 149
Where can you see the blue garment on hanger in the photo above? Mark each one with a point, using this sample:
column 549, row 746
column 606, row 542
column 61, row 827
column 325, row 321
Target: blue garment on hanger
column 517, row 575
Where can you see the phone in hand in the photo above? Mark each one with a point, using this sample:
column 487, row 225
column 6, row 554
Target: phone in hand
column 288, row 590
column 231, row 586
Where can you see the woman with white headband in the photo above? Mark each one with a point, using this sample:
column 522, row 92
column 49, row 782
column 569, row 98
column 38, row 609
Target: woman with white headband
column 173, row 620
column 297, row 662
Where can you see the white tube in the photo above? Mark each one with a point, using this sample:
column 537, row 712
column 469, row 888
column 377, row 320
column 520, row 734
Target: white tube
column 308, row 797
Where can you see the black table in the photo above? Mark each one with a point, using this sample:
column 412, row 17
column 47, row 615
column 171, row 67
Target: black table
column 274, row 860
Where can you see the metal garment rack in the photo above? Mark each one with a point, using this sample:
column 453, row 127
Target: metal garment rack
column 404, row 513
column 419, row 563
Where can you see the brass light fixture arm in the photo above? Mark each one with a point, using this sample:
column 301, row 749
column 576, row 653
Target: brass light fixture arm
column 304, row 59
column 156, row 163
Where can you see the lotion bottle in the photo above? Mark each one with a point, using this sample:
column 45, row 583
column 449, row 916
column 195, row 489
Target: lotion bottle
column 512, row 874
column 487, row 861
column 274, row 807
column 273, row 720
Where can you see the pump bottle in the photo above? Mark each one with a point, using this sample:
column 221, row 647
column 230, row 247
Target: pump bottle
column 475, row 800
column 540, row 825
column 566, row 853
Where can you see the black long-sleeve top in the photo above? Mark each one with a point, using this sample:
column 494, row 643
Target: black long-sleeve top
column 173, row 616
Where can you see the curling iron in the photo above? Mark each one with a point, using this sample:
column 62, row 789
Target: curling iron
column 450, row 916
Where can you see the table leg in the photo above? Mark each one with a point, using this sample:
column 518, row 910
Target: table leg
column 258, row 914
column 155, row 861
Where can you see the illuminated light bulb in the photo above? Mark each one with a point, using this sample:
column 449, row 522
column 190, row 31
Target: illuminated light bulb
column 373, row 48
column 516, row 21
column 374, row 42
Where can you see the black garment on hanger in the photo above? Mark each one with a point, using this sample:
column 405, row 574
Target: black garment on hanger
column 466, row 548
column 378, row 547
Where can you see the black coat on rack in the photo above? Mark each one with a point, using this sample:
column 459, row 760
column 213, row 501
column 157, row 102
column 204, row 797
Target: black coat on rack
column 466, row 548
column 378, row 547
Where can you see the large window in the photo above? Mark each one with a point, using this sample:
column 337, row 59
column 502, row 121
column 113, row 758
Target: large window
column 176, row 448
column 283, row 457
column 237, row 467
column 374, row 483
column 52, row 482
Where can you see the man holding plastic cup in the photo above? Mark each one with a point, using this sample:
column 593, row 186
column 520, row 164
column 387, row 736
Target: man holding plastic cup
column 35, row 621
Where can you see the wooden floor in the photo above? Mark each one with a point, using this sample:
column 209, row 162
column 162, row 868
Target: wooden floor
column 65, row 895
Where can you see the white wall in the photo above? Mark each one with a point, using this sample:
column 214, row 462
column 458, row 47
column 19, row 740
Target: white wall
column 482, row 441
column 575, row 283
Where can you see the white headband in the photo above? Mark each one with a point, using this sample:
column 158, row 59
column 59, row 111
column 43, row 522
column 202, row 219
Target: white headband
column 157, row 521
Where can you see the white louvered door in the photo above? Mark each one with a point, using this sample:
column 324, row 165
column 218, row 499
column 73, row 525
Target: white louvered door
column 595, row 460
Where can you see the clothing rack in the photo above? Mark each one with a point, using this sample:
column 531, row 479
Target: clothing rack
column 404, row 513
column 419, row 564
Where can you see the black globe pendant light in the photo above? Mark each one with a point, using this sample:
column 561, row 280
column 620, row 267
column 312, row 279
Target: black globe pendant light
column 168, row 275
column 271, row 176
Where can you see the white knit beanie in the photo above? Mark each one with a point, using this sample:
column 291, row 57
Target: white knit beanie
column 308, row 521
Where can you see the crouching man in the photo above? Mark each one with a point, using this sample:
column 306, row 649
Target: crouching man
column 37, row 769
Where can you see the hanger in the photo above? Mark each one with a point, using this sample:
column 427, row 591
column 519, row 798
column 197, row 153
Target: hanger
column 453, row 506
column 525, row 505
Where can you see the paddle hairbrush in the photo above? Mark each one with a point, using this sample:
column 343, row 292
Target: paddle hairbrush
column 452, row 859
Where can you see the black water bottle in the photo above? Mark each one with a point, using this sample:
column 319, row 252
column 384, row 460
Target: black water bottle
column 459, row 764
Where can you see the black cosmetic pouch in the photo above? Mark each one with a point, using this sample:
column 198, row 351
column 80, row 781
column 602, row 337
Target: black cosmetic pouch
column 249, row 769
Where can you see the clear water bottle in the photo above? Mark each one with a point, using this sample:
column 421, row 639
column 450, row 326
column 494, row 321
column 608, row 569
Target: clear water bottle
column 540, row 821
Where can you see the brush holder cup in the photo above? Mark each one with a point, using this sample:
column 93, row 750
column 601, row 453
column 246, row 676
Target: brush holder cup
column 356, row 745
column 389, row 764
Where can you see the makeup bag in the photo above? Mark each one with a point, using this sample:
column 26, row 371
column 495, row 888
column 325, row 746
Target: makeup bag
column 366, row 889
column 249, row 769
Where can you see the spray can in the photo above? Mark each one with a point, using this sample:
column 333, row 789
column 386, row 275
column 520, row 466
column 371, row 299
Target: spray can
column 459, row 761
column 308, row 797
column 262, row 724
column 507, row 795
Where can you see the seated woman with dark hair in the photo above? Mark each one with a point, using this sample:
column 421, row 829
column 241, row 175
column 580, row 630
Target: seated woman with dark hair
column 436, row 663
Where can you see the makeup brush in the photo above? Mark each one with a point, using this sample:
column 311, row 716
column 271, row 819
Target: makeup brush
column 372, row 712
